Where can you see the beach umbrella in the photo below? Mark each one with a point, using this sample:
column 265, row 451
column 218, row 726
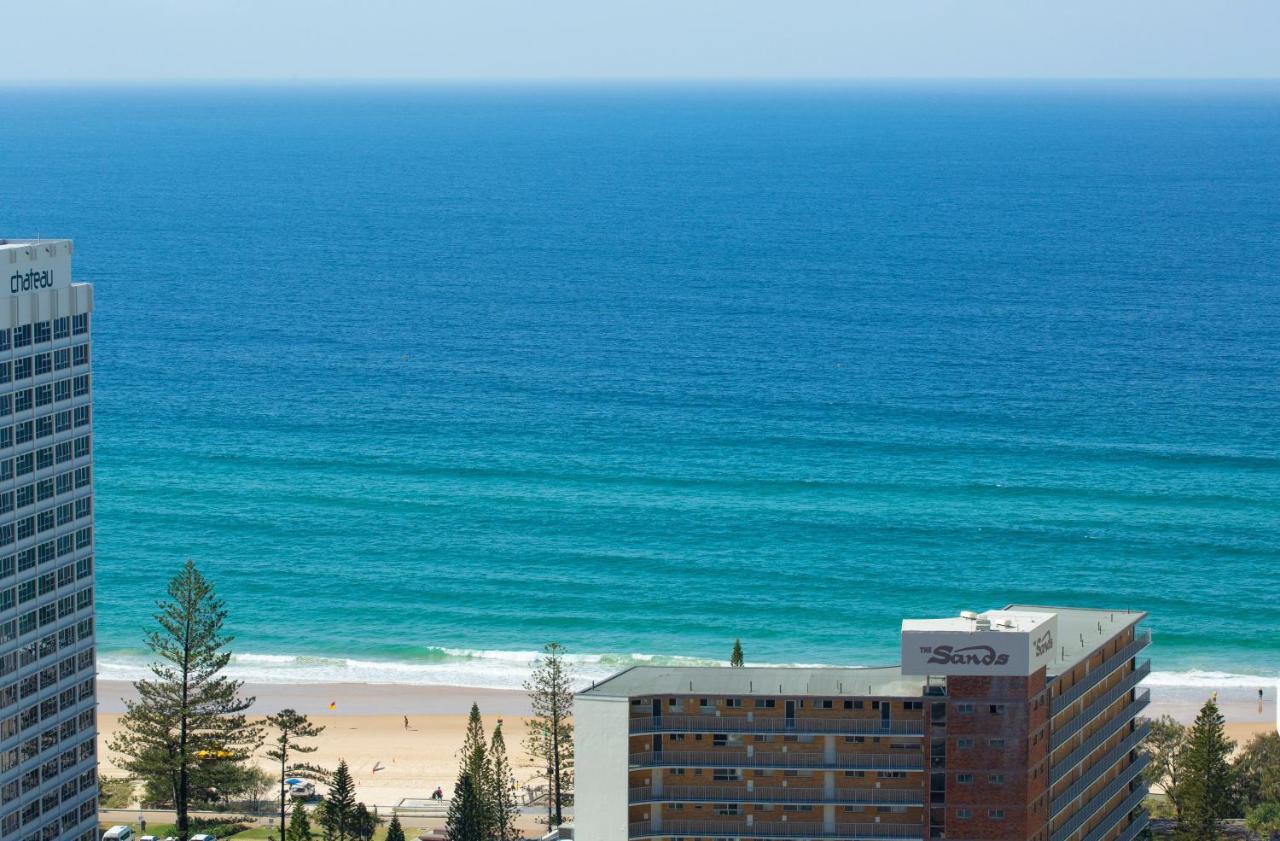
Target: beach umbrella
column 293, row 782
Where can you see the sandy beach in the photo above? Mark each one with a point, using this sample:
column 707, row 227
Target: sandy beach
column 366, row 727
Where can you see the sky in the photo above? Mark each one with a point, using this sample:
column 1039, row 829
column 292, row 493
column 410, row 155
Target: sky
column 584, row 40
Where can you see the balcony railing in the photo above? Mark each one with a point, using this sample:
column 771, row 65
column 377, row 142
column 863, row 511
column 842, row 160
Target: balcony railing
column 1134, row 829
column 1101, row 799
column 775, row 829
column 775, row 724
column 775, row 794
column 1091, row 679
column 1098, row 768
column 1099, row 706
column 1093, row 742
column 736, row 759
column 1116, row 815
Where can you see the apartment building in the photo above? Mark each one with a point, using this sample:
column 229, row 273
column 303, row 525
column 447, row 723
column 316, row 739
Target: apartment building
column 48, row 765
column 1016, row 724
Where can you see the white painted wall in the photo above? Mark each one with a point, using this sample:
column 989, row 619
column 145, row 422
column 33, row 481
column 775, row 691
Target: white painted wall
column 35, row 283
column 600, row 746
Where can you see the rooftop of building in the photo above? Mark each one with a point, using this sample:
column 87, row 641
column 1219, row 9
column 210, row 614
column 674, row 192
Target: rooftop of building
column 24, row 243
column 1081, row 631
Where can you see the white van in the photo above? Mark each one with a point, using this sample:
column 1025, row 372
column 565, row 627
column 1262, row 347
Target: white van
column 203, row 837
column 118, row 833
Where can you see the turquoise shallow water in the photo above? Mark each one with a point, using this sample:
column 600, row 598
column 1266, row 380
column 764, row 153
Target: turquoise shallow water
column 426, row 377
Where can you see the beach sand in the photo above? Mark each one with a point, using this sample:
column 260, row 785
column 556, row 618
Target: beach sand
column 366, row 728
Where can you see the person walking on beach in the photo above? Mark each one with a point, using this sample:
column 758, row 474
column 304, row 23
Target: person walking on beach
column 406, row 722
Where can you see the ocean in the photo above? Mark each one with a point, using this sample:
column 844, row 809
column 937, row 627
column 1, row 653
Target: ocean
column 425, row 377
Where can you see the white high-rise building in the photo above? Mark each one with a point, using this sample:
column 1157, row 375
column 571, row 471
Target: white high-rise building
column 48, row 765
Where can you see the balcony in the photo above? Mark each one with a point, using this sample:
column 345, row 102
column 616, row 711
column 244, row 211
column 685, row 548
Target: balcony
column 775, row 724
column 775, row 794
column 1133, row 801
column 1102, row 798
column 740, row 759
column 784, row 829
column 1057, row 772
column 1135, row 828
column 1099, row 706
column 1098, row 768
column 1091, row 679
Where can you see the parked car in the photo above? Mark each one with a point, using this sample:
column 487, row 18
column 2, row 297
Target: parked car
column 118, row 833
column 302, row 791
column 203, row 837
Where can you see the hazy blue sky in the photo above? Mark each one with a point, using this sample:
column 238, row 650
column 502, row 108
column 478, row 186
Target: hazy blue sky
column 108, row 40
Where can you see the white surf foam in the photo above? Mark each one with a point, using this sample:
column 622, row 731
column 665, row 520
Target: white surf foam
column 499, row 669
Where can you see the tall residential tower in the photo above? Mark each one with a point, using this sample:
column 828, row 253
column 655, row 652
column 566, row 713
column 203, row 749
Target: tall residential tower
column 48, row 766
column 1010, row 725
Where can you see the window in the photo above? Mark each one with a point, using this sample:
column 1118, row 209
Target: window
column 964, row 744
column 995, row 779
column 964, row 814
column 995, row 814
column 43, row 331
column 61, row 327
column 765, row 703
column 998, row 744
column 913, row 705
column 858, row 774
column 22, row 335
column 892, row 775
column 733, row 702
column 44, row 395
column 822, row 704
column 80, row 355
column 44, row 363
column 22, row 368
column 853, row 705
column 997, row 709
column 80, row 324
column 964, row 708
column 727, row 775
column 4, row 339
column 44, row 426
column 62, row 359
column 964, row 779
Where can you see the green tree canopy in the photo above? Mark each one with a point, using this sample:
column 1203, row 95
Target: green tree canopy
column 299, row 824
column 735, row 659
column 291, row 728
column 337, row 813
column 1164, row 745
column 395, row 832
column 1263, row 820
column 1258, row 771
column 1205, row 777
column 467, row 820
column 503, row 805
column 550, row 738
column 187, row 728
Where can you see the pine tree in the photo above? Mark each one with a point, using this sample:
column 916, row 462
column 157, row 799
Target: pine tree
column 363, row 823
column 339, row 806
column 473, row 760
column 291, row 726
column 189, row 712
column 551, row 730
column 467, row 819
column 1206, row 777
column 395, row 832
column 299, row 824
column 735, row 659
column 502, row 796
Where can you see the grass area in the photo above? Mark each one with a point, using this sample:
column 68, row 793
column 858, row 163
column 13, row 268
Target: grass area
column 116, row 793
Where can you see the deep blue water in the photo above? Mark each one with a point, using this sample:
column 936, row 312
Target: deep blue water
column 409, row 371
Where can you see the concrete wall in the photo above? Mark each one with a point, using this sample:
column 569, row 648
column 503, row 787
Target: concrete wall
column 600, row 768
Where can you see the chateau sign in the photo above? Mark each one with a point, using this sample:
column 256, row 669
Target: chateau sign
column 30, row 281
